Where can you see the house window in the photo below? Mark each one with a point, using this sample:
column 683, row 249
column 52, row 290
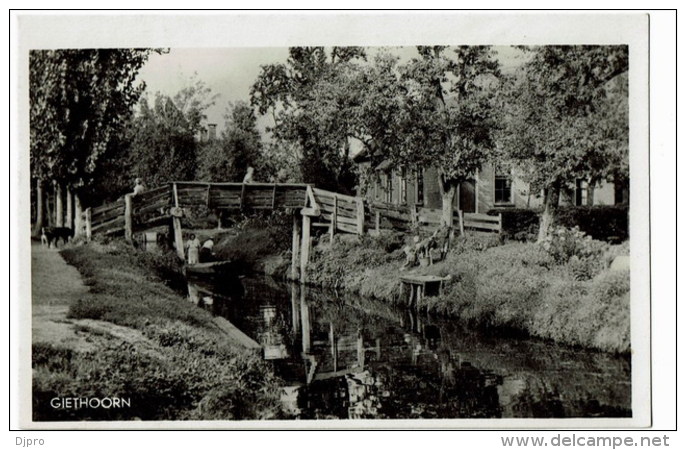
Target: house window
column 581, row 197
column 389, row 187
column 419, row 186
column 402, row 181
column 503, row 188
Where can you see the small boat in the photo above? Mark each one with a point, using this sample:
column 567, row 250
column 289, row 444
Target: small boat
column 208, row 268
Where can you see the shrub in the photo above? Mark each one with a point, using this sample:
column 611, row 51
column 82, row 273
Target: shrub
column 562, row 244
column 601, row 222
column 519, row 224
column 606, row 223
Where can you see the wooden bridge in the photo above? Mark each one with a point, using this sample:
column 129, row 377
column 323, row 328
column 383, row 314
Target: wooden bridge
column 316, row 207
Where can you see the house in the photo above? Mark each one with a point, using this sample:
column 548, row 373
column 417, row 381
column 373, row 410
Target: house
column 491, row 188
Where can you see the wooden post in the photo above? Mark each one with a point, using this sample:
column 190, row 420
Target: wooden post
column 295, row 247
column 461, row 217
column 304, row 321
column 70, row 209
column 78, row 216
column 305, row 249
column 377, row 220
column 415, row 215
column 89, row 225
column 360, row 216
column 360, row 349
column 128, row 218
column 334, row 350
column 295, row 316
column 334, row 217
column 176, row 221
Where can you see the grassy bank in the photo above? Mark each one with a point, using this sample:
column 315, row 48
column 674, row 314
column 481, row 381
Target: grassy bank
column 517, row 286
column 158, row 350
column 561, row 293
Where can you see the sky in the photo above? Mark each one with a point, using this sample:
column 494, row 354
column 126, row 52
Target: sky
column 229, row 72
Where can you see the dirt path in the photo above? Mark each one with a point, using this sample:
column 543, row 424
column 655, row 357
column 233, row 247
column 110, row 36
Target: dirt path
column 55, row 285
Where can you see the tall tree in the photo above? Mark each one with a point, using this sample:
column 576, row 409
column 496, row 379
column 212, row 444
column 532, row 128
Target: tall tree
column 566, row 118
column 239, row 146
column 165, row 134
column 292, row 93
column 449, row 115
column 79, row 99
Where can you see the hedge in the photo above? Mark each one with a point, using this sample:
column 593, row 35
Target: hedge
column 602, row 222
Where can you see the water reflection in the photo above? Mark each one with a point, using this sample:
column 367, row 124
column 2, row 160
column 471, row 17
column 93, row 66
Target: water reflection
column 349, row 357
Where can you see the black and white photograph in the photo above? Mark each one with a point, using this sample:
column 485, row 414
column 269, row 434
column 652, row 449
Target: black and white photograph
column 312, row 232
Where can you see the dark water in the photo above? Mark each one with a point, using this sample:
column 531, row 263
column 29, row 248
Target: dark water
column 343, row 356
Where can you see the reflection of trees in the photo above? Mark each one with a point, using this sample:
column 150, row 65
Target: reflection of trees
column 353, row 357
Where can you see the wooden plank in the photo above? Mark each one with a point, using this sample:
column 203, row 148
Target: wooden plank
column 332, row 230
column 108, row 206
column 128, row 218
column 360, row 216
column 352, row 229
column 108, row 215
column 176, row 223
column 153, row 193
column 116, row 223
column 475, row 217
column 326, row 193
column 342, row 219
column 305, row 249
column 482, row 225
column 295, row 247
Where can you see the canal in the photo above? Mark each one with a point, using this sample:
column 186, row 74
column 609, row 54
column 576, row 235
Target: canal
column 343, row 356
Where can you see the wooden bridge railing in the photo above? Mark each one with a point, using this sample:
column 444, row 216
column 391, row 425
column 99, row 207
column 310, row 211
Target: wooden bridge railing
column 133, row 213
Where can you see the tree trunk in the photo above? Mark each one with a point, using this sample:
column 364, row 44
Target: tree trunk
column 70, row 209
column 552, row 199
column 590, row 193
column 40, row 208
column 448, row 189
column 59, row 209
column 78, row 216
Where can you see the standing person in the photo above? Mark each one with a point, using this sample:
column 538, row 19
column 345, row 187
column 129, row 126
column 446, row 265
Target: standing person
column 193, row 246
column 138, row 188
column 206, row 254
column 248, row 175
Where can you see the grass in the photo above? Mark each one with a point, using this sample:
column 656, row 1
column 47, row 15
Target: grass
column 515, row 286
column 186, row 371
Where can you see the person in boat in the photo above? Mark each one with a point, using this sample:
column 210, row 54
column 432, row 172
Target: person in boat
column 206, row 253
column 193, row 246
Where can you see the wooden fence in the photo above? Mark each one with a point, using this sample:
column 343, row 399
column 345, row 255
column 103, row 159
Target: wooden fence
column 336, row 211
column 342, row 212
column 133, row 213
column 404, row 218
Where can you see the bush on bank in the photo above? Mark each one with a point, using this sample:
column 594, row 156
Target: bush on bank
column 608, row 223
column 560, row 291
column 184, row 370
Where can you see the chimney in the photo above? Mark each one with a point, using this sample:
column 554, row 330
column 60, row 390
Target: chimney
column 212, row 129
column 203, row 135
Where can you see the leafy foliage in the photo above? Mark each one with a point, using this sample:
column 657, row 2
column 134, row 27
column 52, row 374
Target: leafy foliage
column 79, row 100
column 240, row 146
column 164, row 137
column 306, row 99
column 566, row 117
